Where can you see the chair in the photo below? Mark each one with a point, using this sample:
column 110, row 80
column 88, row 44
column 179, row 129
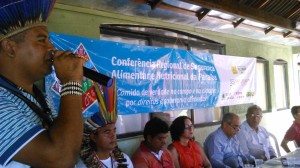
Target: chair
column 275, row 143
column 295, row 143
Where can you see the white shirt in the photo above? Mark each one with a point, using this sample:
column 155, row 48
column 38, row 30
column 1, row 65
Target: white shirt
column 158, row 156
column 256, row 143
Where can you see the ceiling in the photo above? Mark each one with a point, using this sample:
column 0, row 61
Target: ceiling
column 276, row 21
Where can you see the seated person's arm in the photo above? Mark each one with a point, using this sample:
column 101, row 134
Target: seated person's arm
column 206, row 162
column 243, row 139
column 174, row 153
column 215, row 152
column 139, row 160
column 285, row 146
column 272, row 152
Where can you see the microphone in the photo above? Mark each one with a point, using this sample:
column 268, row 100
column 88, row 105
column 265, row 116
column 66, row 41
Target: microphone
column 91, row 74
column 97, row 77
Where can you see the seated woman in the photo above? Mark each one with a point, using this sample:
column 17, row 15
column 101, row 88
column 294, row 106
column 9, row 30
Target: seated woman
column 186, row 152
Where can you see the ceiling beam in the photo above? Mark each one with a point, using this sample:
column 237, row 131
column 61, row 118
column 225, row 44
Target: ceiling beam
column 235, row 24
column 154, row 4
column 286, row 34
column 268, row 29
column 191, row 13
column 261, row 4
column 201, row 13
column 293, row 11
column 234, row 8
column 170, row 8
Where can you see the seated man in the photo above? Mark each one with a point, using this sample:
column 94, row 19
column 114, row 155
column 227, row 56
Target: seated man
column 99, row 147
column 222, row 146
column 152, row 153
column 254, row 139
column 293, row 133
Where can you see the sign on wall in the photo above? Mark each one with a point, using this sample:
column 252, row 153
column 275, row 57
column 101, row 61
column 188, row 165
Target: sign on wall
column 153, row 79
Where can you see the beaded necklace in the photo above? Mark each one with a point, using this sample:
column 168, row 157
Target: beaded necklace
column 99, row 160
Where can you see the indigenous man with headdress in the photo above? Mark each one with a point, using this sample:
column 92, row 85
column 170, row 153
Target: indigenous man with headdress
column 99, row 147
column 30, row 132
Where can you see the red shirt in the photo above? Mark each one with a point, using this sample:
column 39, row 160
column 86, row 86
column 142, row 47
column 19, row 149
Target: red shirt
column 143, row 158
column 189, row 156
column 293, row 133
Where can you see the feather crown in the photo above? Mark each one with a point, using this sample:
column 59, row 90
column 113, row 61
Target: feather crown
column 107, row 100
column 19, row 15
column 107, row 114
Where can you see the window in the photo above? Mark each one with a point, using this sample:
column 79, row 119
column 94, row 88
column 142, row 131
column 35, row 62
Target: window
column 207, row 115
column 262, row 97
column 124, row 125
column 280, row 79
column 162, row 37
column 170, row 116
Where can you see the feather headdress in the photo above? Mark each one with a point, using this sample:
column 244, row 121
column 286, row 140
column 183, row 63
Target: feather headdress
column 107, row 99
column 19, row 15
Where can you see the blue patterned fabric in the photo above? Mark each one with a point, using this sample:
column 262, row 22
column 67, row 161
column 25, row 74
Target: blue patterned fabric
column 19, row 124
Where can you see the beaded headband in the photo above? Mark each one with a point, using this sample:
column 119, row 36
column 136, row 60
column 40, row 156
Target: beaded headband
column 19, row 15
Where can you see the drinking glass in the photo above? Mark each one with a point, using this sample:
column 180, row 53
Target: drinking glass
column 248, row 166
column 259, row 163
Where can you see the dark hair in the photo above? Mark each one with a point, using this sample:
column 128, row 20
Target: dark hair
column 18, row 38
column 227, row 118
column 294, row 110
column 252, row 108
column 177, row 127
column 154, row 127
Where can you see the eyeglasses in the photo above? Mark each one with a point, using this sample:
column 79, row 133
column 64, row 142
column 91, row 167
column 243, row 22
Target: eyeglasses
column 235, row 127
column 186, row 126
column 256, row 115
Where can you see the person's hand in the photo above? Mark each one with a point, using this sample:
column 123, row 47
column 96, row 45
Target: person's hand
column 67, row 66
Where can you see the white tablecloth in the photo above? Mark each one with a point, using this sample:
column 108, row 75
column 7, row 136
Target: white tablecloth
column 276, row 162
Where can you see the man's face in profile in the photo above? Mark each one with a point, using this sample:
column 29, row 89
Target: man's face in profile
column 232, row 128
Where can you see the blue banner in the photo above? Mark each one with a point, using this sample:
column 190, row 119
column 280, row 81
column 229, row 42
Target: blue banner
column 149, row 79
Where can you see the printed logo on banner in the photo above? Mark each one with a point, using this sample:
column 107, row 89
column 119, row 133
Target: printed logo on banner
column 234, row 70
column 240, row 82
column 89, row 96
column 250, row 94
column 238, row 69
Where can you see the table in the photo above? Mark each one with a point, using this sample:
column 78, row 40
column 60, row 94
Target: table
column 276, row 162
